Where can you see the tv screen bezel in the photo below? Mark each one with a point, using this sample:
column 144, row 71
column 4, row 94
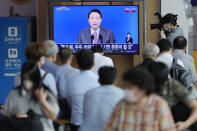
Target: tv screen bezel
column 51, row 22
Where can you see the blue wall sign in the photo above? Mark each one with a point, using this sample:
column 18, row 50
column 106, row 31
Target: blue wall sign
column 13, row 40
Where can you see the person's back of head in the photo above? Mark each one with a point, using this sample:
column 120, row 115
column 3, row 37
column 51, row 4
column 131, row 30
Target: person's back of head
column 35, row 51
column 180, row 42
column 97, row 49
column 107, row 75
column 85, row 59
column 65, row 54
column 150, row 50
column 141, row 78
column 164, row 45
column 51, row 48
column 160, row 72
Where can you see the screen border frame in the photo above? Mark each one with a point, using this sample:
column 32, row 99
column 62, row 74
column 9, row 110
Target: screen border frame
column 77, row 3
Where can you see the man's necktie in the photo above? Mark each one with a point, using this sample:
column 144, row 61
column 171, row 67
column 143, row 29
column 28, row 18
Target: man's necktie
column 95, row 38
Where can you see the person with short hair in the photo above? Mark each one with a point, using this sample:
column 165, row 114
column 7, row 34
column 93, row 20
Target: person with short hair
column 50, row 66
column 79, row 85
column 174, row 93
column 95, row 34
column 149, row 53
column 66, row 58
column 179, row 49
column 32, row 94
column 99, row 58
column 165, row 55
column 100, row 102
column 36, row 52
column 140, row 110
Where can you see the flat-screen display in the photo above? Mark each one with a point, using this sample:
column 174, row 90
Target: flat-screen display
column 114, row 27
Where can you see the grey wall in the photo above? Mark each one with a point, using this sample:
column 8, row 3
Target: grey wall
column 24, row 10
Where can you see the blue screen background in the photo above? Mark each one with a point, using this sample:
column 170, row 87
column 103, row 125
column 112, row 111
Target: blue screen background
column 69, row 20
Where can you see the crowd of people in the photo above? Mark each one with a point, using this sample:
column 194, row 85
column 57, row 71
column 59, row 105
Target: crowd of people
column 158, row 95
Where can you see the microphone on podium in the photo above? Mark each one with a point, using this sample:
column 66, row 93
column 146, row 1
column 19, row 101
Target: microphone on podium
column 101, row 38
column 92, row 38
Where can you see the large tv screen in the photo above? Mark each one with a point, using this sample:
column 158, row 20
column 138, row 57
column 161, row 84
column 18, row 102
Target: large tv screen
column 114, row 27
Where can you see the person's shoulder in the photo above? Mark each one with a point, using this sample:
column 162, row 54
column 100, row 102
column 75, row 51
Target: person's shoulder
column 156, row 100
column 179, row 28
column 106, row 29
column 174, row 85
column 108, row 58
column 43, row 72
column 84, row 30
column 75, row 69
column 190, row 58
column 14, row 92
column 93, row 92
column 74, row 79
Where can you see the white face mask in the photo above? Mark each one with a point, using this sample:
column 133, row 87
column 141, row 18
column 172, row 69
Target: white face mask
column 28, row 85
column 42, row 60
column 130, row 97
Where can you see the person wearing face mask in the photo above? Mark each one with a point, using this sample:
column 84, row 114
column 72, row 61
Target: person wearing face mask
column 32, row 94
column 171, row 29
column 140, row 110
column 36, row 52
column 95, row 34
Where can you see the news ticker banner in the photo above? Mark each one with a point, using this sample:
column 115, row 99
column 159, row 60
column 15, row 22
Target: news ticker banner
column 13, row 40
column 108, row 48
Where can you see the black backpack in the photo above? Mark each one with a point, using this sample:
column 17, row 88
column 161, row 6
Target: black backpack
column 180, row 74
column 31, row 123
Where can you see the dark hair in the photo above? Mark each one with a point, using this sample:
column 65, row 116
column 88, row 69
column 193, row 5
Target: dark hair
column 180, row 42
column 128, row 33
column 107, row 75
column 94, row 10
column 164, row 45
column 31, row 69
column 65, row 54
column 169, row 18
column 160, row 72
column 97, row 49
column 34, row 51
column 140, row 77
column 85, row 59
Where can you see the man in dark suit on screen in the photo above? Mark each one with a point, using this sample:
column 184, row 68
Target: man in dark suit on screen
column 95, row 34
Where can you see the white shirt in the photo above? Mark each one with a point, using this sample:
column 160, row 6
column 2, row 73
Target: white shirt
column 77, row 87
column 49, row 81
column 100, row 61
column 167, row 59
column 99, row 103
column 68, row 72
column 97, row 31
